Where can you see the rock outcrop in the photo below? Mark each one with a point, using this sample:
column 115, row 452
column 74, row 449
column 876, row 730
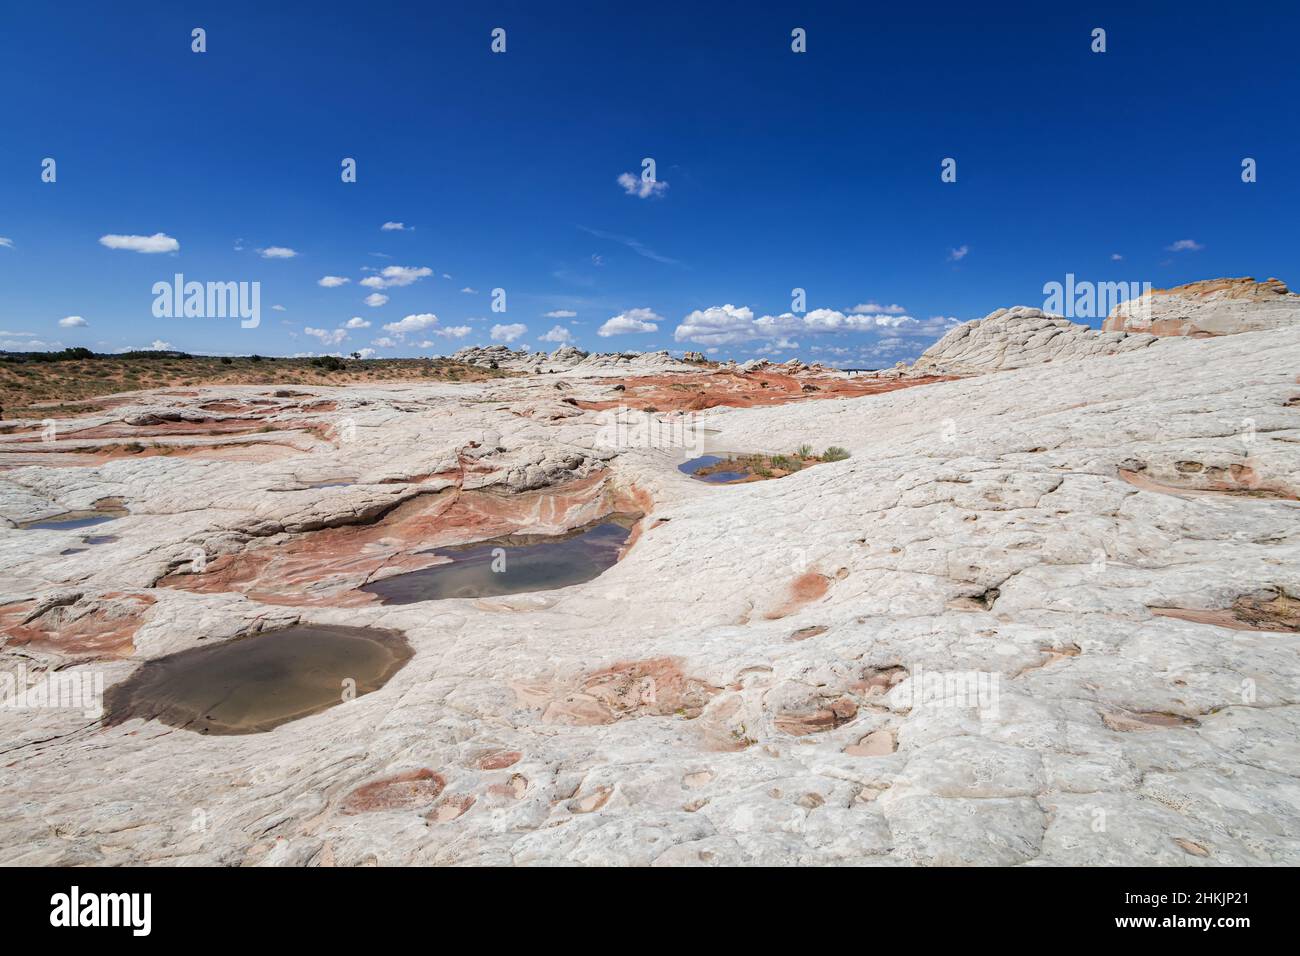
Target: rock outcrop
column 1212, row 307
column 1025, row 603
column 1020, row 337
column 568, row 357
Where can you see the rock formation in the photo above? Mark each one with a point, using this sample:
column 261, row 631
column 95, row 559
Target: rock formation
column 1019, row 337
column 1212, row 307
column 1028, row 602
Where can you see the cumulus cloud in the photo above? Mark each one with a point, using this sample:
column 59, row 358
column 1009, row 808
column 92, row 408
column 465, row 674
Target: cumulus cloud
column 73, row 322
column 508, row 333
column 327, row 336
column 730, row 325
column 412, row 323
column 394, row 227
column 425, row 322
column 632, row 321
column 356, row 322
column 277, row 252
column 958, row 254
column 873, row 308
column 384, row 342
column 450, row 332
column 634, row 185
column 1185, row 245
column 390, row 276
column 158, row 242
column 560, row 314
column 718, row 325
column 332, row 282
column 375, row 299
column 366, row 353
column 558, row 334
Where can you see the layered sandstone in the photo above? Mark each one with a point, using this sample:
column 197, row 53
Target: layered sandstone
column 1212, row 307
column 1020, row 337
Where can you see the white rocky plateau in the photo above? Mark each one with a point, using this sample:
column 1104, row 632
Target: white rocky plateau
column 1044, row 615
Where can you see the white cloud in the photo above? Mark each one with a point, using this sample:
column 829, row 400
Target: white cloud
column 958, row 254
column 412, row 323
column 1115, row 257
column 279, row 308
column 630, row 322
column 6, row 242
column 73, row 322
column 356, row 322
column 394, row 227
column 873, row 308
column 730, row 325
column 1185, row 245
column 384, row 342
column 634, row 185
column 158, row 345
column 396, row 276
column 560, row 314
column 718, row 325
column 469, row 291
column 425, row 322
column 158, row 242
column 508, row 333
column 375, row 299
column 327, row 336
column 277, row 252
column 559, row 334
column 332, row 282
column 366, row 353
column 450, row 332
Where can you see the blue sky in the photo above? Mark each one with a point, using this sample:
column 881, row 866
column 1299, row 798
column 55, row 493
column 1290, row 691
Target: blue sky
column 775, row 170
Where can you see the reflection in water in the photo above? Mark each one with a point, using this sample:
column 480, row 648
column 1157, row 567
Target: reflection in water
column 513, row 564
column 252, row 684
column 705, row 468
column 72, row 520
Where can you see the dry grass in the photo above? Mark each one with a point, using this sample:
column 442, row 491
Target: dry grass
column 36, row 389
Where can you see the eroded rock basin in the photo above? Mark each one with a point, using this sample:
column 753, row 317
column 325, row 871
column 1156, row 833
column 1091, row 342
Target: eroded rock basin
column 513, row 564
column 253, row 684
column 104, row 511
column 733, row 468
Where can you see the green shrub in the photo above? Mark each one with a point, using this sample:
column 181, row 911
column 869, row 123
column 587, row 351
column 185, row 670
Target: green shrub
column 835, row 453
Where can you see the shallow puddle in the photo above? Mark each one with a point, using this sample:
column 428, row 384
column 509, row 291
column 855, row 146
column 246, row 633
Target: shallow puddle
column 72, row 520
column 728, row 468
column 706, row 468
column 513, row 564
column 256, row 683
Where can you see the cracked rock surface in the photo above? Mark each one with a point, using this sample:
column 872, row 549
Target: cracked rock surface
column 941, row 650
